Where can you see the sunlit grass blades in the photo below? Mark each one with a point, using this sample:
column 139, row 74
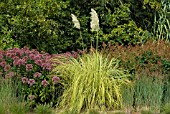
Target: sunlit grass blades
column 92, row 81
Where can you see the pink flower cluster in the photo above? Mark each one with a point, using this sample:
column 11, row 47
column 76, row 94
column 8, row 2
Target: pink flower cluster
column 55, row 79
column 20, row 57
column 28, row 81
column 44, row 83
column 34, row 67
column 71, row 54
column 37, row 75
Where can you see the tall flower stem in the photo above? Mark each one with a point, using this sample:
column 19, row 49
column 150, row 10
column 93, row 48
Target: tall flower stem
column 81, row 39
column 97, row 40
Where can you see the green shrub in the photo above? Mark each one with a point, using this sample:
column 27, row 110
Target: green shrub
column 37, row 24
column 46, row 24
column 6, row 40
column 91, row 81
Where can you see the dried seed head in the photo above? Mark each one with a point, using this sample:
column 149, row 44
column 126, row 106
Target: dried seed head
column 94, row 24
column 75, row 21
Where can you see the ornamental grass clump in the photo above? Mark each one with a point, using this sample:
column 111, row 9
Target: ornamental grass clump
column 91, row 82
column 9, row 103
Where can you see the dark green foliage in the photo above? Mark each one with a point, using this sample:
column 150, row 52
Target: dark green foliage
column 46, row 24
column 38, row 24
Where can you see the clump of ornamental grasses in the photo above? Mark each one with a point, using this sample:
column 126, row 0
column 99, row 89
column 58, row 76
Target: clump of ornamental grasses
column 145, row 92
column 91, row 81
column 9, row 103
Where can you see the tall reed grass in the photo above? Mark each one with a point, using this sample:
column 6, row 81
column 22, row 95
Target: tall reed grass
column 145, row 92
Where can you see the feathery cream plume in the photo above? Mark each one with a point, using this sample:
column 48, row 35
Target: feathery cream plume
column 94, row 24
column 75, row 21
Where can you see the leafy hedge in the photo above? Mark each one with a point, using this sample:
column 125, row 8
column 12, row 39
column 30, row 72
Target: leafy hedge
column 46, row 25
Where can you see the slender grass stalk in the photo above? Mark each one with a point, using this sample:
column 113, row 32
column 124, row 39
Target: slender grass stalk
column 97, row 41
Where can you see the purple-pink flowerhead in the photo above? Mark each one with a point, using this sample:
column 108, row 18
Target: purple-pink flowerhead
column 47, row 66
column 32, row 56
column 3, row 63
column 31, row 82
column 24, row 80
column 9, row 55
column 38, row 62
column 55, row 79
column 25, row 58
column 37, row 57
column 19, row 62
column 37, row 74
column 7, row 68
column 27, row 52
column 29, row 67
column 15, row 58
column 44, row 83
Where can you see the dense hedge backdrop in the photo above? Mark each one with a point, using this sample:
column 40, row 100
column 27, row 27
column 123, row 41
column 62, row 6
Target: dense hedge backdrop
column 47, row 25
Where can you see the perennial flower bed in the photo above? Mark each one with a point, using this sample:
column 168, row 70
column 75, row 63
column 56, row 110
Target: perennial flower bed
column 31, row 70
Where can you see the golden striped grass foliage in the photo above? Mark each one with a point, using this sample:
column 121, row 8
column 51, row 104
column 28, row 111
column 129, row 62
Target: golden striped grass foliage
column 92, row 81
